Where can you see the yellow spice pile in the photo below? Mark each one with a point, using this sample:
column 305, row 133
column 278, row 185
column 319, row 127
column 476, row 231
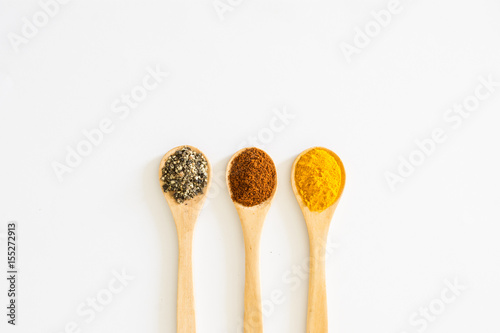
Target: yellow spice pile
column 318, row 178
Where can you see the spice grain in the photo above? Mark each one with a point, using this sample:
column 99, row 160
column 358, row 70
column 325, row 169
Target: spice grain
column 318, row 177
column 185, row 174
column 252, row 177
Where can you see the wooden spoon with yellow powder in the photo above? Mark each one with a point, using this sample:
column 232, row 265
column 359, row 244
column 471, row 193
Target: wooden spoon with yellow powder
column 318, row 179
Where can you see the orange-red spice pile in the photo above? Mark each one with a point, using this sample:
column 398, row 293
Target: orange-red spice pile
column 252, row 177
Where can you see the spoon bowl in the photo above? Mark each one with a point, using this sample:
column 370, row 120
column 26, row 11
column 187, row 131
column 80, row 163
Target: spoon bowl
column 330, row 210
column 195, row 203
column 266, row 203
column 318, row 224
column 185, row 215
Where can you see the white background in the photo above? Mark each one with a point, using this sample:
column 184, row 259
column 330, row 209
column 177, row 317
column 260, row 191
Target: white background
column 393, row 250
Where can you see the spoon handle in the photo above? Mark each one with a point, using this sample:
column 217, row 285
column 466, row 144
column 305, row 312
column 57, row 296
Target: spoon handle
column 253, row 304
column 317, row 314
column 186, row 322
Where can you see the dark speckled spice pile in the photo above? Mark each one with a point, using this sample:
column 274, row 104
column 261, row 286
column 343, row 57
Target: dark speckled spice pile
column 185, row 174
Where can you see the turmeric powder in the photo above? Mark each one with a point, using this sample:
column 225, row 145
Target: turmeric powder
column 319, row 178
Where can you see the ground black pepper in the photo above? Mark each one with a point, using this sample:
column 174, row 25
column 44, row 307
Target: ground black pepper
column 185, row 174
column 252, row 177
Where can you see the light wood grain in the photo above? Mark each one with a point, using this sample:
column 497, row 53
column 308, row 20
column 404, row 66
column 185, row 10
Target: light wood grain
column 252, row 221
column 318, row 224
column 185, row 216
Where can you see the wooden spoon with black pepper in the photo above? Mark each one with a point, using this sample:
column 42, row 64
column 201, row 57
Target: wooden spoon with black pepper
column 185, row 214
column 251, row 179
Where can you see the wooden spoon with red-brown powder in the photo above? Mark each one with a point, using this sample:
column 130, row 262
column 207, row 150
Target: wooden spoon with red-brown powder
column 251, row 179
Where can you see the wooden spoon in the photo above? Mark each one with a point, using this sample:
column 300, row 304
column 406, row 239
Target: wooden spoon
column 185, row 215
column 318, row 224
column 252, row 220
